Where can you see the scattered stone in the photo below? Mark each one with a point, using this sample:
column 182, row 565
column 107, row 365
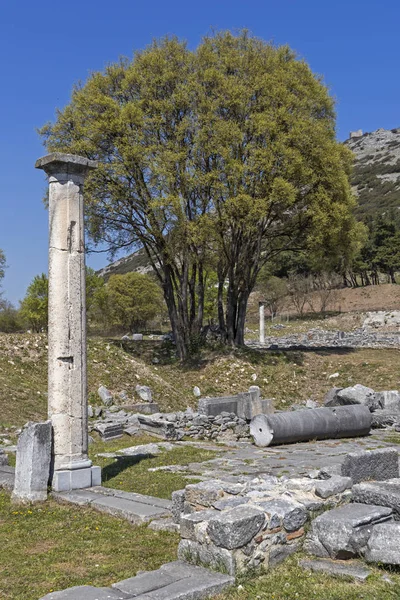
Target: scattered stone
column 377, row 492
column 159, row 428
column 109, row 431
column 389, row 400
column 145, row 408
column 137, row 337
column 236, row 527
column 351, row 569
column 378, row 464
column 196, row 391
column 90, row 411
column 332, row 486
column 384, row 544
column 343, row 532
column 359, row 394
column 330, row 397
column 105, row 395
column 144, row 392
column 3, row 458
column 311, row 404
column 33, row 463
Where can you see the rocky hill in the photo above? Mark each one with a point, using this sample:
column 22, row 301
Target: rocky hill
column 376, row 176
column 375, row 180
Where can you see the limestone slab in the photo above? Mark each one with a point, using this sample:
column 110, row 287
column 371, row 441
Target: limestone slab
column 385, row 493
column 380, row 464
column 384, row 544
column 349, row 569
column 32, row 470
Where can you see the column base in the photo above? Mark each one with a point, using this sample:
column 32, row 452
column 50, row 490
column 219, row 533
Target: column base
column 66, row 480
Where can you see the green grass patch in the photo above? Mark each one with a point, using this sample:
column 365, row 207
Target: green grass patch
column 131, row 474
column 52, row 546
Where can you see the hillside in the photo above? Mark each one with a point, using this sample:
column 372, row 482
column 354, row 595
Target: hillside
column 376, row 176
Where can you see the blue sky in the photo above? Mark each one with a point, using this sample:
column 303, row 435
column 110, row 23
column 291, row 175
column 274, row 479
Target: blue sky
column 47, row 46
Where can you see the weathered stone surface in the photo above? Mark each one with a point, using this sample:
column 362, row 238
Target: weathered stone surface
column 358, row 394
column 33, row 462
column 332, row 486
column 105, row 395
column 384, row 544
column 146, row 408
column 188, row 522
column 236, row 527
column 109, row 431
column 215, row 406
column 85, row 592
column 164, row 525
column 331, row 397
column 304, row 425
column 352, row 569
column 204, row 493
column 137, row 337
column 385, row 493
column 207, row 555
column 144, row 392
column 378, row 464
column 344, row 532
column 158, row 427
column 280, row 552
column 284, row 512
column 178, row 502
column 389, row 400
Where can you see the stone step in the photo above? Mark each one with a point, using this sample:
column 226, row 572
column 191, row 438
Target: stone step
column 136, row 508
column 173, row 581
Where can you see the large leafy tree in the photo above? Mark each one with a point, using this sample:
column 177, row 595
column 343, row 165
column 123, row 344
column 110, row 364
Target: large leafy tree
column 227, row 154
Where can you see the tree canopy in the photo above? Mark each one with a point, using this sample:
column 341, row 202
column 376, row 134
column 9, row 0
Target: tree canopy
column 225, row 155
column 34, row 306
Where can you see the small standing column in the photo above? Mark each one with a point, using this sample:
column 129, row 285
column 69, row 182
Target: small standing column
column 67, row 384
column 262, row 322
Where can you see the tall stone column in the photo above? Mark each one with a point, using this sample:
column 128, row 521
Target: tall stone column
column 262, row 322
column 67, row 385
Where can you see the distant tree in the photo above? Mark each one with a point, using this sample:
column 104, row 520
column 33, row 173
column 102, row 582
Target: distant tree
column 9, row 317
column 273, row 291
column 34, row 306
column 2, row 265
column 133, row 299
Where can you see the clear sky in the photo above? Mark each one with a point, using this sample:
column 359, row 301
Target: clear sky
column 46, row 46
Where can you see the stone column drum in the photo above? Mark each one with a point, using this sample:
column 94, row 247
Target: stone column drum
column 67, row 385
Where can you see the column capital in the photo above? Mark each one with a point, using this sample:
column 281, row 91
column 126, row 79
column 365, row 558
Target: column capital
column 67, row 164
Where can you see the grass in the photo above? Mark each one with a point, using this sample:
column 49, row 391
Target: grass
column 289, row 377
column 50, row 546
column 132, row 475
column 290, row 582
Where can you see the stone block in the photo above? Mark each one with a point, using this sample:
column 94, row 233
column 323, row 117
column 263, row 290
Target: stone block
column 385, row 493
column 384, row 544
column 284, row 512
column 204, row 493
column 353, row 569
column 330, row 487
column 207, row 555
column 331, row 397
column 33, row 462
column 144, row 392
column 215, row 406
column 85, row 592
column 158, row 428
column 389, row 400
column 96, row 476
column 189, row 522
column 378, row 465
column 359, row 394
column 178, row 502
column 109, row 431
column 236, row 527
column 343, row 532
column 146, row 408
column 279, row 553
column 105, row 395
column 66, row 480
column 137, row 337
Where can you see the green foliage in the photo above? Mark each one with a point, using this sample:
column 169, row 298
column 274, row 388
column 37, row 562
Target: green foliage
column 224, row 154
column 10, row 320
column 133, row 299
column 273, row 291
column 34, row 306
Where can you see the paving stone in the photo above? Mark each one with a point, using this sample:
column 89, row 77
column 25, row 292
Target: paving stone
column 378, row 465
column 175, row 581
column 128, row 509
column 385, row 493
column 384, row 544
column 353, row 569
column 164, row 525
column 331, row 487
column 343, row 532
column 85, row 592
column 236, row 527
